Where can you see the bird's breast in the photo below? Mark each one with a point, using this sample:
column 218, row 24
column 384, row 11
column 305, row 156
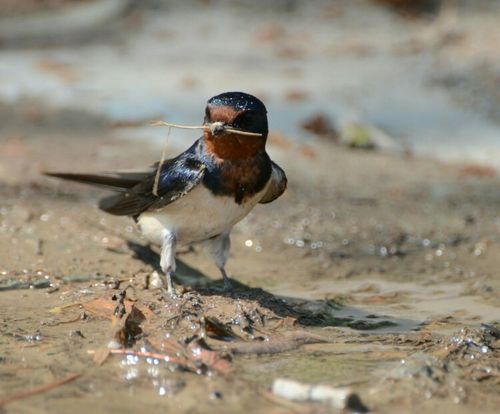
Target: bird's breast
column 197, row 216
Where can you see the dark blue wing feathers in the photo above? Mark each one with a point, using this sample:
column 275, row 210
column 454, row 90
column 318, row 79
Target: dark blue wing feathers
column 178, row 176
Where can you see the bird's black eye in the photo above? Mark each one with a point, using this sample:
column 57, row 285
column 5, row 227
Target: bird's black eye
column 243, row 120
column 207, row 115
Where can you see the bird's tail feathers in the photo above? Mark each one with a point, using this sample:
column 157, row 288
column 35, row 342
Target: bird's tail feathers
column 113, row 181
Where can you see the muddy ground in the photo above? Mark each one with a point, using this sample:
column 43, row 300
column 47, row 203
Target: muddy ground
column 374, row 271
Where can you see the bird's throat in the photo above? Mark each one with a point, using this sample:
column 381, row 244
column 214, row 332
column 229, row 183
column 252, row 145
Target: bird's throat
column 232, row 146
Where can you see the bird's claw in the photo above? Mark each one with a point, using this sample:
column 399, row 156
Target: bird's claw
column 228, row 286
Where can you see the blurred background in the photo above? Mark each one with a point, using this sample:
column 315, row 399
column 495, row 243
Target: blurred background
column 418, row 76
column 373, row 236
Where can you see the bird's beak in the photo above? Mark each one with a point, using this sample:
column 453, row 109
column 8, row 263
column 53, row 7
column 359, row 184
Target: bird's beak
column 216, row 128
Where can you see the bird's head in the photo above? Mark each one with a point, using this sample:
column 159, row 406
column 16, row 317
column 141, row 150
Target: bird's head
column 228, row 117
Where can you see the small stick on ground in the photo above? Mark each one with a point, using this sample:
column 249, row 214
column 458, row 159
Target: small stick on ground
column 275, row 345
column 38, row 390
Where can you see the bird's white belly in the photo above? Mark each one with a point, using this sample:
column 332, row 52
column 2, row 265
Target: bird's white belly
column 196, row 216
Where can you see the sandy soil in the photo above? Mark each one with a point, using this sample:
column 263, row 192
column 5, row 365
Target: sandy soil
column 374, row 271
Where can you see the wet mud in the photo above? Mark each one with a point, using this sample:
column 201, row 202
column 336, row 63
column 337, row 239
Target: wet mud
column 375, row 272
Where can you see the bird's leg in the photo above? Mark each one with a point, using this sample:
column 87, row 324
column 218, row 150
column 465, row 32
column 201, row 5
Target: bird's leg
column 219, row 249
column 167, row 259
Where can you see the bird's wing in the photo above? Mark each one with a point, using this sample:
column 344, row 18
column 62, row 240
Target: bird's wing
column 277, row 185
column 178, row 176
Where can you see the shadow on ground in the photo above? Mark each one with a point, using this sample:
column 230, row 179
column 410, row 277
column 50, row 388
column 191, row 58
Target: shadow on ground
column 318, row 313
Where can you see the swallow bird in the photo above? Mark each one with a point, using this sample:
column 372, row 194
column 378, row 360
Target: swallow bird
column 202, row 193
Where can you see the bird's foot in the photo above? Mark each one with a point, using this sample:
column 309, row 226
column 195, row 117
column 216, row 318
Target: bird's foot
column 228, row 286
column 165, row 285
column 169, row 294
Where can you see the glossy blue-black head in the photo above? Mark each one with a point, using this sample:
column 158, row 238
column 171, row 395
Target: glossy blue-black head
column 238, row 110
column 239, row 101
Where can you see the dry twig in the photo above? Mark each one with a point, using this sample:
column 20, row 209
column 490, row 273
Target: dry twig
column 38, row 390
column 160, row 164
column 208, row 127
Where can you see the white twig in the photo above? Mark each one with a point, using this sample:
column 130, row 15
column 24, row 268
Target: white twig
column 169, row 124
column 239, row 132
column 160, row 164
column 211, row 127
